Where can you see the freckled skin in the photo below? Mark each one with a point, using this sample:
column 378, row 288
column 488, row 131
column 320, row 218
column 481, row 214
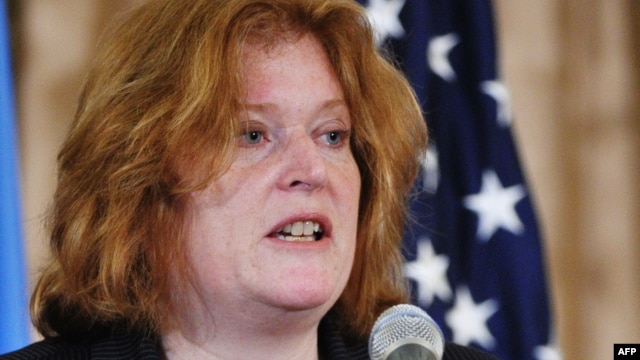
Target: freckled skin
column 293, row 163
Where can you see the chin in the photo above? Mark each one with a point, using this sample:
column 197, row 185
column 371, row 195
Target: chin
column 310, row 294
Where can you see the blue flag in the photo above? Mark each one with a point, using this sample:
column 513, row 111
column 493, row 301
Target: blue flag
column 473, row 249
column 14, row 332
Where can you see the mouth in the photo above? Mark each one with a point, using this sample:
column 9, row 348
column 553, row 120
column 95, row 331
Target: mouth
column 300, row 231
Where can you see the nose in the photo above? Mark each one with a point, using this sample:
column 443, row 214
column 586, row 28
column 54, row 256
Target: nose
column 302, row 165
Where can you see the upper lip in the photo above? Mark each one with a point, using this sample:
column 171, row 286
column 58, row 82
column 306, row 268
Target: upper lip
column 325, row 223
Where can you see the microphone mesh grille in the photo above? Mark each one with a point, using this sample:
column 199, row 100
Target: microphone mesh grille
column 400, row 322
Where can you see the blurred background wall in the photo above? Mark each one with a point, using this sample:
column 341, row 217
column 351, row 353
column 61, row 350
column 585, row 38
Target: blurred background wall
column 573, row 69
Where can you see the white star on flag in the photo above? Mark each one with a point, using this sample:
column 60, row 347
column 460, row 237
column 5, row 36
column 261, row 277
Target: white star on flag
column 547, row 352
column 438, row 55
column 495, row 206
column 385, row 18
column 431, row 170
column 468, row 320
column 500, row 94
column 429, row 270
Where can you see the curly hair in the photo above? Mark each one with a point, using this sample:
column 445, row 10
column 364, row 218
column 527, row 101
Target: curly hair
column 163, row 91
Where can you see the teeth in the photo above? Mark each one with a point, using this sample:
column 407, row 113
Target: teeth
column 297, row 228
column 300, row 231
column 298, row 238
column 308, row 228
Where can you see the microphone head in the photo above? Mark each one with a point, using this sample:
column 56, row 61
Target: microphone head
column 404, row 324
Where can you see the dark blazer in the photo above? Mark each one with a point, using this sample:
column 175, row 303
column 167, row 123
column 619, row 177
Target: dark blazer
column 332, row 347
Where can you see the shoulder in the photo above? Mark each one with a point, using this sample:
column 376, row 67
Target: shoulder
column 333, row 346
column 117, row 347
column 457, row 352
column 49, row 349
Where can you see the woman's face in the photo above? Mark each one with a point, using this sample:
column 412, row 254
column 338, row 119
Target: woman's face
column 278, row 229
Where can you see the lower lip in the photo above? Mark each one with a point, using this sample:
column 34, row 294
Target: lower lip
column 324, row 242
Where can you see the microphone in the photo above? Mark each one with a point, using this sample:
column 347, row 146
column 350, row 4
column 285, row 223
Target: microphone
column 405, row 332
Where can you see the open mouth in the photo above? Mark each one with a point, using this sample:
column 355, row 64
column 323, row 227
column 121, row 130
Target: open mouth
column 298, row 231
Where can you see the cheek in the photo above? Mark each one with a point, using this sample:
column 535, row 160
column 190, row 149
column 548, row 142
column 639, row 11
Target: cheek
column 223, row 191
column 211, row 219
column 349, row 184
column 348, row 187
column 211, row 252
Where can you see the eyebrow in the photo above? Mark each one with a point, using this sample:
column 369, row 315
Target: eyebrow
column 272, row 107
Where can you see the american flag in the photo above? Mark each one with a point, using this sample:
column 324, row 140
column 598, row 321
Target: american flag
column 473, row 250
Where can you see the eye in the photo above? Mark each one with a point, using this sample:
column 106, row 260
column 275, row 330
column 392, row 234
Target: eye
column 252, row 137
column 334, row 138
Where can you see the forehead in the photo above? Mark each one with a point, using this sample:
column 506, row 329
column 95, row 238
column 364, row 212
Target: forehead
column 257, row 55
column 270, row 72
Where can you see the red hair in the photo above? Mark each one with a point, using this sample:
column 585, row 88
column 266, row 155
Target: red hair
column 164, row 90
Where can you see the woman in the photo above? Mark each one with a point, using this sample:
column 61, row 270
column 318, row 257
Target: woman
column 233, row 186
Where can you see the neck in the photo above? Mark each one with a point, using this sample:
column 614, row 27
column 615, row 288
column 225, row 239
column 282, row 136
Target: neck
column 287, row 336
